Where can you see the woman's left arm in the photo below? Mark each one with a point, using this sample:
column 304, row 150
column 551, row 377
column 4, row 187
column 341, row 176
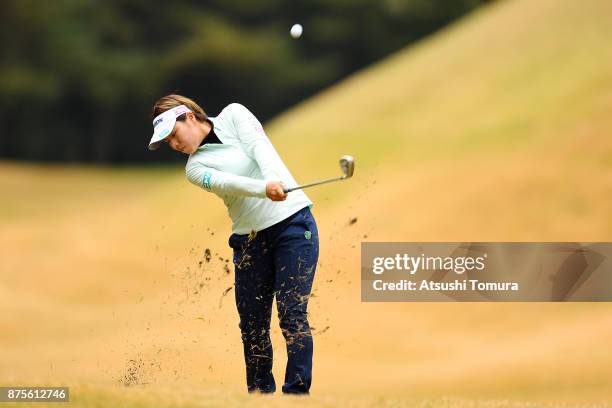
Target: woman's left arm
column 255, row 142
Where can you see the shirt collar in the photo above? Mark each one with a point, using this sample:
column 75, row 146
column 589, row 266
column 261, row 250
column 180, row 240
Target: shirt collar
column 212, row 136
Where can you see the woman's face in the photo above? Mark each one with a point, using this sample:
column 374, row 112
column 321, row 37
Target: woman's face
column 186, row 135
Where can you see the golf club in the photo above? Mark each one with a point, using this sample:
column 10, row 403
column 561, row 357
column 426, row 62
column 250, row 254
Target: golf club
column 347, row 164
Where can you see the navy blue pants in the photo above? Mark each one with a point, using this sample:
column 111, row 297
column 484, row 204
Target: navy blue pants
column 279, row 260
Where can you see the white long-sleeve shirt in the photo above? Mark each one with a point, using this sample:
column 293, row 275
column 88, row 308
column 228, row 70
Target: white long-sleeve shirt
column 238, row 169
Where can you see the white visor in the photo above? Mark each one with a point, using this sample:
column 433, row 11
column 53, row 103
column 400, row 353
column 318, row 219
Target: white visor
column 164, row 123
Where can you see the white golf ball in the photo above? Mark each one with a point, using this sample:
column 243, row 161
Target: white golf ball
column 296, row 30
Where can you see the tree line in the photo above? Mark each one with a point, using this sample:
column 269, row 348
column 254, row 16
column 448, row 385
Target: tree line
column 78, row 77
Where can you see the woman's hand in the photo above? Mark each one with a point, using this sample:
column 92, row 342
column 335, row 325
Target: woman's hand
column 274, row 191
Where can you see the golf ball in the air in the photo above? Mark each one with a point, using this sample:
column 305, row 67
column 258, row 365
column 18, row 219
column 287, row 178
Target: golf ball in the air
column 296, row 30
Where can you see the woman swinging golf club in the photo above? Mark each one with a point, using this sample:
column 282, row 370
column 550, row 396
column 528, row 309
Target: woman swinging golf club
column 274, row 234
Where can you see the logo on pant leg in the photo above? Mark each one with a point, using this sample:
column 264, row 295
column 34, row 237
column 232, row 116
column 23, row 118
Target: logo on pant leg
column 307, row 234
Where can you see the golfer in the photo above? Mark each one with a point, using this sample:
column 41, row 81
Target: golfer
column 274, row 236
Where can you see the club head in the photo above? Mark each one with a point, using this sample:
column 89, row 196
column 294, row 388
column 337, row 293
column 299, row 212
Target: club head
column 347, row 164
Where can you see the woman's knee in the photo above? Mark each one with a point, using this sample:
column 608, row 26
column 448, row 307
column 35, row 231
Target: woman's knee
column 293, row 318
column 254, row 327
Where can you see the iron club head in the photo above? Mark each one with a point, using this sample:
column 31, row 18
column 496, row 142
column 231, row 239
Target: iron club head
column 347, row 164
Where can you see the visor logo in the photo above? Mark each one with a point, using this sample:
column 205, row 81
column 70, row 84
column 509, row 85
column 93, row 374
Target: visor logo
column 157, row 122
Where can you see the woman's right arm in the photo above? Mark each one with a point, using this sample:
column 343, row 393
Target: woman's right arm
column 223, row 183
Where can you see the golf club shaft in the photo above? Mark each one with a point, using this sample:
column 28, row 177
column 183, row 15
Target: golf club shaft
column 316, row 183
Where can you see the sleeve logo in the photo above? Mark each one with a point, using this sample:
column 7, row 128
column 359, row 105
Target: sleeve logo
column 207, row 179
